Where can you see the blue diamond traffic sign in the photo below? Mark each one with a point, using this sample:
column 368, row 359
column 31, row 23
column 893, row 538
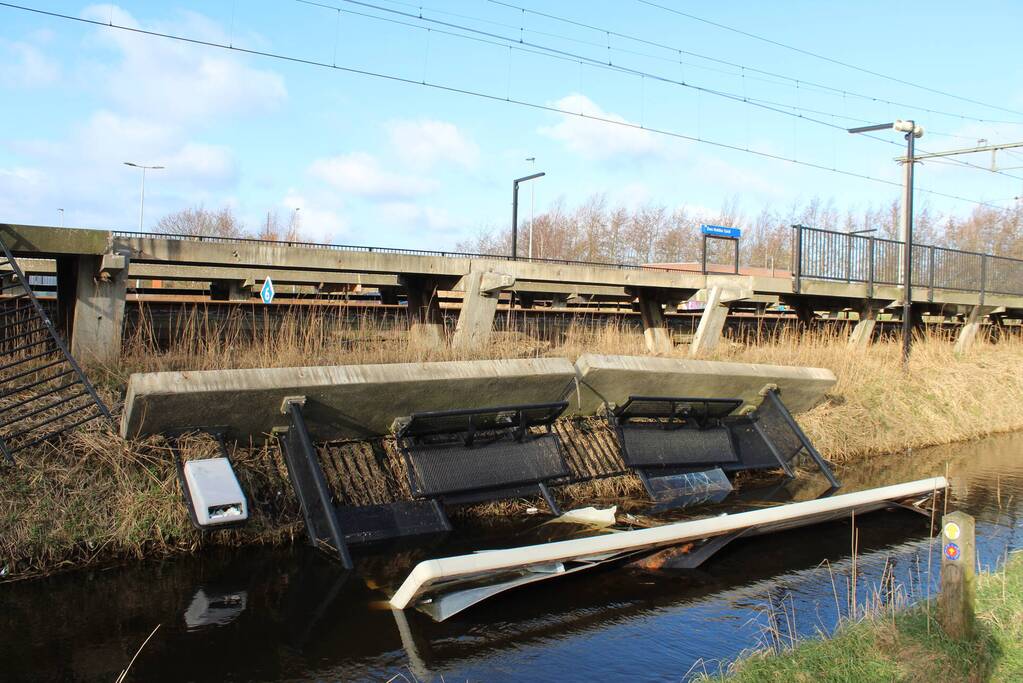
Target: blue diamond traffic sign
column 267, row 292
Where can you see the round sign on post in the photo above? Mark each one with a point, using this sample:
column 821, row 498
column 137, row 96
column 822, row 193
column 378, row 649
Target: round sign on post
column 266, row 293
column 952, row 531
column 952, row 551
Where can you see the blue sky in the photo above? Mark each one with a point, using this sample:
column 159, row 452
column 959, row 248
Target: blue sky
column 373, row 161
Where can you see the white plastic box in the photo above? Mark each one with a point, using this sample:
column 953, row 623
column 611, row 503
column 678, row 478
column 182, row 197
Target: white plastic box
column 216, row 496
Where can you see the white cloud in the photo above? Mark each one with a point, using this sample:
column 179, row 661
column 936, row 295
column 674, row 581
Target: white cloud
column 598, row 139
column 108, row 139
column 733, row 179
column 24, row 65
column 409, row 215
column 425, row 143
column 359, row 173
column 173, row 81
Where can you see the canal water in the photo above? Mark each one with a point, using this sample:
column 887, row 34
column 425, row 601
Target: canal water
column 289, row 615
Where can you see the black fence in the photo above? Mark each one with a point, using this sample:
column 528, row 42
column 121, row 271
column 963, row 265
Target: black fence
column 841, row 257
column 817, row 254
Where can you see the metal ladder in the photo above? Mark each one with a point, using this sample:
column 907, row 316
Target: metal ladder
column 43, row 391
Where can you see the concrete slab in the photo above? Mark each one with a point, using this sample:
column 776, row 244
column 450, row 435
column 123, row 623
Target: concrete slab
column 614, row 378
column 342, row 402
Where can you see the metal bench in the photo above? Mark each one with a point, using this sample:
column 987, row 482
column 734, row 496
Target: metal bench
column 331, row 527
column 665, row 439
column 482, row 454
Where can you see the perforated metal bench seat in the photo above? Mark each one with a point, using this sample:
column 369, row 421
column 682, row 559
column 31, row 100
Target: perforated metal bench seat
column 474, row 455
column 662, row 437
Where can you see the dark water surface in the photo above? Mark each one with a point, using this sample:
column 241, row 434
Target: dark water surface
column 258, row 615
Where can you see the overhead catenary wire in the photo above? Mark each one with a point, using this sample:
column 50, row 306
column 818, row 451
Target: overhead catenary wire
column 797, row 82
column 474, row 93
column 832, row 60
column 555, row 53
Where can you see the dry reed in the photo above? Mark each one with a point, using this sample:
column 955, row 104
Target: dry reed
column 94, row 498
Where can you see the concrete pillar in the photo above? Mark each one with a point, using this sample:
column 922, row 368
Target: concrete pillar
column 476, row 320
column 804, row 314
column 426, row 323
column 863, row 331
column 91, row 291
column 655, row 334
column 968, row 332
column 229, row 290
column 712, row 322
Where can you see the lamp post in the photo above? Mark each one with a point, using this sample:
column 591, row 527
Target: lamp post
column 515, row 210
column 142, row 202
column 532, row 207
column 61, row 212
column 912, row 131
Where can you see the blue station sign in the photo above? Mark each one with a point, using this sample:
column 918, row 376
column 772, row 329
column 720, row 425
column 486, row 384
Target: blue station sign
column 721, row 231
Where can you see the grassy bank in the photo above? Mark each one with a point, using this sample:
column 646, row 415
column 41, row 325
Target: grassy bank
column 911, row 646
column 95, row 499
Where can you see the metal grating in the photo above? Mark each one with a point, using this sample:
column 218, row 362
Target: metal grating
column 777, row 430
column 479, row 454
column 451, row 467
column 43, row 391
column 650, row 445
column 332, row 527
column 371, row 523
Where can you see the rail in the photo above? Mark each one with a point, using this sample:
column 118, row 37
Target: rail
column 819, row 254
column 372, row 250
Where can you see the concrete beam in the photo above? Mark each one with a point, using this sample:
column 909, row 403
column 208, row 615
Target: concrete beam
column 570, row 290
column 614, row 378
column 712, row 323
column 655, row 333
column 342, row 402
column 476, row 319
column 40, row 241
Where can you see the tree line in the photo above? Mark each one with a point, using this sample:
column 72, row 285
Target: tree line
column 200, row 221
column 601, row 232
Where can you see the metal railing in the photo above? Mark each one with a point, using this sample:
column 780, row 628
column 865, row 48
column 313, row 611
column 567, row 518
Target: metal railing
column 372, row 250
column 817, row 254
column 841, row 257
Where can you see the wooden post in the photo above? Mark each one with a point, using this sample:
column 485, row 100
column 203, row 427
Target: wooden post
column 955, row 602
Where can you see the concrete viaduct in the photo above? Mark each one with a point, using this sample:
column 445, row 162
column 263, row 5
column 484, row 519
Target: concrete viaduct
column 833, row 272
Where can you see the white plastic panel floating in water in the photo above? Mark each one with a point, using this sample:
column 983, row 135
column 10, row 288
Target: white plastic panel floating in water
column 216, row 496
column 449, row 570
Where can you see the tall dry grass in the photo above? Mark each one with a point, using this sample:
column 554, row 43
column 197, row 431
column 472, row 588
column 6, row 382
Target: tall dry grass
column 874, row 408
column 95, row 498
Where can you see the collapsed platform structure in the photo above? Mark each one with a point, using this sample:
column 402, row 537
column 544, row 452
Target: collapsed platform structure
column 474, row 431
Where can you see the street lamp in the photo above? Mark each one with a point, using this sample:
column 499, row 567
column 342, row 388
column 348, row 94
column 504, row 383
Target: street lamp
column 532, row 207
column 142, row 203
column 912, row 131
column 61, row 212
column 515, row 210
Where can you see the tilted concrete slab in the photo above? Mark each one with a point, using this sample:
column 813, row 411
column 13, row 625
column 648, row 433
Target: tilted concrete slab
column 613, row 379
column 342, row 402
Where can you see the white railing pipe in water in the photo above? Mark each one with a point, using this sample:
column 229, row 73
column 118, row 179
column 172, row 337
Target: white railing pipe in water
column 445, row 568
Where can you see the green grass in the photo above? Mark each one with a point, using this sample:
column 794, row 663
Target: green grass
column 910, row 647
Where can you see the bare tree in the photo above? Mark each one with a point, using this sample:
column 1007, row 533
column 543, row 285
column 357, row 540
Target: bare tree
column 201, row 221
column 275, row 230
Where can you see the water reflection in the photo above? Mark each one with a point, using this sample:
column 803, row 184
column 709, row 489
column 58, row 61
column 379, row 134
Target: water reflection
column 290, row 614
